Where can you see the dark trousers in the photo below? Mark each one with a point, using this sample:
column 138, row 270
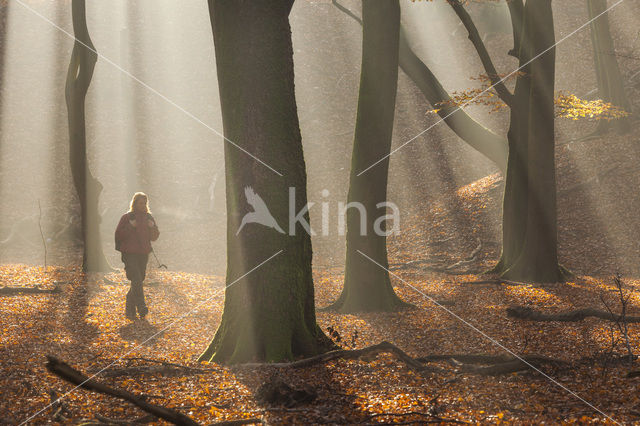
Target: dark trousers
column 135, row 265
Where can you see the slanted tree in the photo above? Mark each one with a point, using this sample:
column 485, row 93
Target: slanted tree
column 88, row 188
column 608, row 76
column 367, row 286
column 269, row 312
column 480, row 138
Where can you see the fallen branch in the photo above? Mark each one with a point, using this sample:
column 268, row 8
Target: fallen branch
column 140, row 420
column 427, row 418
column 526, row 313
column 10, row 291
column 71, row 375
column 66, row 372
column 497, row 364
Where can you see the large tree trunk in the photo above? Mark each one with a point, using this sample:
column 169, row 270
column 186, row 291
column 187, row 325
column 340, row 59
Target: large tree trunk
column 610, row 83
column 88, row 188
column 538, row 259
column 269, row 314
column 367, row 286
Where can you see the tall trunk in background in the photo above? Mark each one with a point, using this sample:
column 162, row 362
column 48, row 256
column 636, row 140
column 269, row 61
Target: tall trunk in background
column 269, row 313
column 514, row 204
column 516, row 12
column 88, row 188
column 367, row 286
column 472, row 132
column 610, row 83
column 538, row 259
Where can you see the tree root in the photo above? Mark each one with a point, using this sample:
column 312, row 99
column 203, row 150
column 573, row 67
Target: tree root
column 526, row 313
column 500, row 364
column 496, row 281
column 66, row 372
column 369, row 351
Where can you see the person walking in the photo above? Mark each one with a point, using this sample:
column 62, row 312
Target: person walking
column 134, row 233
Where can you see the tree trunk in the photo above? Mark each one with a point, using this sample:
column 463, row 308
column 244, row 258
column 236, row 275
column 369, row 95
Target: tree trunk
column 610, row 83
column 538, row 260
column 88, row 188
column 516, row 10
column 367, row 286
column 269, row 313
column 514, row 205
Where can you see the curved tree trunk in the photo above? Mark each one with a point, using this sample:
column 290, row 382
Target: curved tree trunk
column 269, row 313
column 88, row 188
column 367, row 286
column 610, row 83
column 538, row 259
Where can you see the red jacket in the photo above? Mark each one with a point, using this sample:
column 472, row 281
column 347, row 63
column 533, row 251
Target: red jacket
column 136, row 239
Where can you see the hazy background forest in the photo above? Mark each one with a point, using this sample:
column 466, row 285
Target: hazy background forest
column 142, row 140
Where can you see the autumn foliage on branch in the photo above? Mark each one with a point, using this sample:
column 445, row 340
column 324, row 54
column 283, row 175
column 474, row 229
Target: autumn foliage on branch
column 567, row 105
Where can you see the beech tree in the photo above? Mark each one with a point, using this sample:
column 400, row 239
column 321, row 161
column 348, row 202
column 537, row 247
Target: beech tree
column 610, row 82
column 531, row 201
column 88, row 188
column 367, row 286
column 269, row 313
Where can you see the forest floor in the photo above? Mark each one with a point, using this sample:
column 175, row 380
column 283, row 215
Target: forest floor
column 434, row 267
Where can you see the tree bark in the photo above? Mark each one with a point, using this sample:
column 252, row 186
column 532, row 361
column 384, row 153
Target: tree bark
column 538, row 259
column 610, row 83
column 367, row 286
column 516, row 10
column 269, row 314
column 88, row 188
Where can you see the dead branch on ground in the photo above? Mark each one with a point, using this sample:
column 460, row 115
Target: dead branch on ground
column 66, row 372
column 526, row 313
